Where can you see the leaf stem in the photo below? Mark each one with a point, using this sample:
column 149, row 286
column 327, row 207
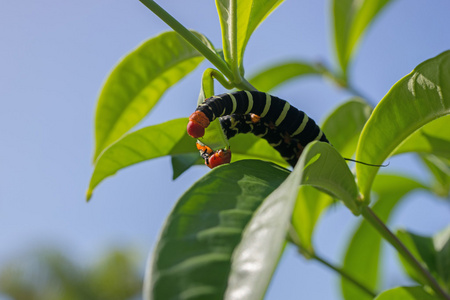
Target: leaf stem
column 310, row 254
column 233, row 39
column 342, row 82
column 344, row 274
column 373, row 219
column 189, row 37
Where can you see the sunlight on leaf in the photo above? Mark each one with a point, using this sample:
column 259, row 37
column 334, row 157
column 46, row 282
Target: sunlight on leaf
column 138, row 82
column 255, row 258
column 250, row 14
column 417, row 99
column 150, row 142
column 193, row 256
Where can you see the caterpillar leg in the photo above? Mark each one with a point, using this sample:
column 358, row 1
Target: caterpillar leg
column 219, row 157
column 214, row 158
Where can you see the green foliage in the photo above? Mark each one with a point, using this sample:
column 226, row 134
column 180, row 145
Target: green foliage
column 238, row 20
column 52, row 276
column 226, row 234
column 272, row 77
column 361, row 261
column 406, row 293
column 138, row 82
column 204, row 228
column 416, row 100
column 434, row 252
column 351, row 18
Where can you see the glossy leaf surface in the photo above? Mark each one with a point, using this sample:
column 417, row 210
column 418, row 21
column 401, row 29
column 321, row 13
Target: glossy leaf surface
column 351, row 18
column 406, row 293
column 414, row 101
column 273, row 77
column 249, row 14
column 255, row 258
column 137, row 83
column 360, row 261
column 192, row 259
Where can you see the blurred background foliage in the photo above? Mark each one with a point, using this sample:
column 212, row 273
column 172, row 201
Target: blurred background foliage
column 48, row 274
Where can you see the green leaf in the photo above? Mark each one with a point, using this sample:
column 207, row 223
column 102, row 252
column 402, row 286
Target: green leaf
column 433, row 138
column 433, row 252
column 406, row 293
column 150, row 142
column 309, row 206
column 192, row 259
column 390, row 190
column 138, row 82
column 440, row 168
column 255, row 258
column 245, row 146
column 182, row 162
column 351, row 18
column 170, row 138
column 343, row 126
column 417, row 99
column 274, row 76
column 441, row 243
column 219, row 218
column 249, row 14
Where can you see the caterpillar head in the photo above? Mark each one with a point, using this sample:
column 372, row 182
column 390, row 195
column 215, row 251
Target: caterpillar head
column 198, row 121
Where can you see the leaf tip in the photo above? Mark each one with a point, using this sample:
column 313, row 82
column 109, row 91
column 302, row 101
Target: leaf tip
column 88, row 194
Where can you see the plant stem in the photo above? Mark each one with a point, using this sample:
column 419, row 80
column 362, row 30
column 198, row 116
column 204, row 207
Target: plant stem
column 373, row 219
column 345, row 275
column 310, row 254
column 342, row 82
column 234, row 62
column 189, row 37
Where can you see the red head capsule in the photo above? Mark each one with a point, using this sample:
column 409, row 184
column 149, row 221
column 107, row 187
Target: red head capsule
column 198, row 121
column 219, row 158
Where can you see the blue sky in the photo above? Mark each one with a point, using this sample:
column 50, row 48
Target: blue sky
column 54, row 58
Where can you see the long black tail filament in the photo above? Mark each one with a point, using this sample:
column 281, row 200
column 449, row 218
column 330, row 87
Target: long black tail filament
column 367, row 164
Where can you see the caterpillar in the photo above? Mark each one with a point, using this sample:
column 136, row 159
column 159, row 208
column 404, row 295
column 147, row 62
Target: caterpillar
column 286, row 128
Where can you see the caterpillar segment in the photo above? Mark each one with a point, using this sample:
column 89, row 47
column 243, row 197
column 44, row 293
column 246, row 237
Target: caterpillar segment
column 285, row 128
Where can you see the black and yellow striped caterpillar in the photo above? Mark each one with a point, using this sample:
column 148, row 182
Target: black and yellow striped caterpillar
column 285, row 127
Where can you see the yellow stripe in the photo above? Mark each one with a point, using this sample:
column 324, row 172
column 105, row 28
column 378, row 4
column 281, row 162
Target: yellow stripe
column 319, row 136
column 264, row 133
column 234, row 103
column 283, row 114
column 275, row 144
column 302, row 126
column 250, row 102
column 266, row 108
